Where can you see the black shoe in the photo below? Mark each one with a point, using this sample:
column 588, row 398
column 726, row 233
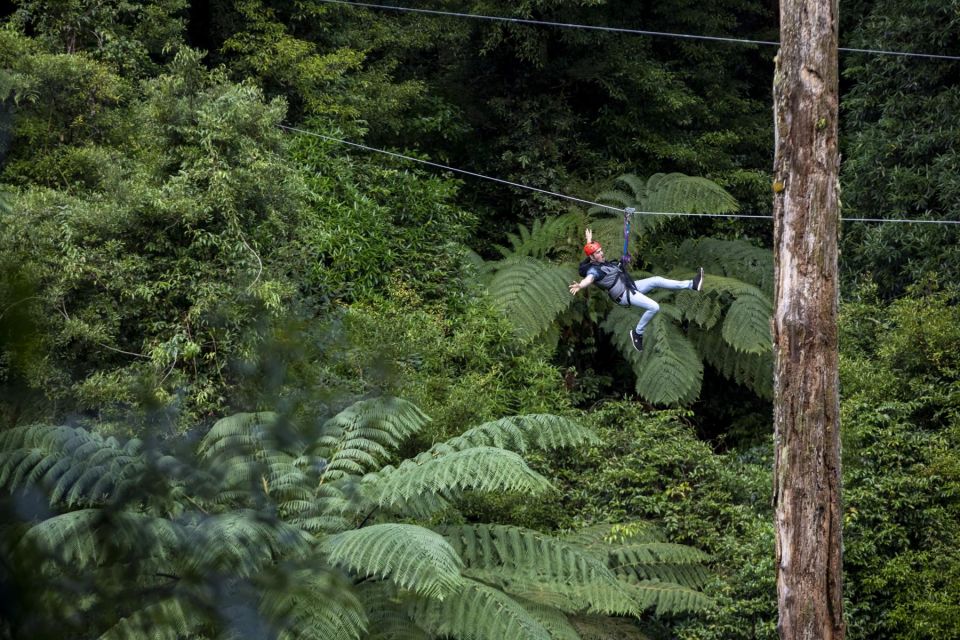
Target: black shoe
column 637, row 340
column 698, row 280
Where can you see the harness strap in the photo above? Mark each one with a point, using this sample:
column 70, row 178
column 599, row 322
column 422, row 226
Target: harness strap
column 629, row 211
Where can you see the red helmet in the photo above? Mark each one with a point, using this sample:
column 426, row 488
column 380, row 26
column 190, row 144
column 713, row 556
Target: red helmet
column 591, row 248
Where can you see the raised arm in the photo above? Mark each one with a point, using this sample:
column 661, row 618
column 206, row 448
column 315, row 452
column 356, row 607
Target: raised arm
column 586, row 282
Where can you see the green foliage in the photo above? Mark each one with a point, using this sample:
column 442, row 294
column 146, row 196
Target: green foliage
column 651, row 471
column 377, row 226
column 901, row 480
column 532, row 294
column 897, row 144
column 457, row 358
column 664, row 192
column 129, row 36
column 259, row 526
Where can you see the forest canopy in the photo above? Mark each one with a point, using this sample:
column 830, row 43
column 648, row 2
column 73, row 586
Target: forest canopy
column 255, row 382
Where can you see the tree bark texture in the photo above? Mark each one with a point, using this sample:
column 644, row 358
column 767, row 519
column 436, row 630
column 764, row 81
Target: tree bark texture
column 806, row 380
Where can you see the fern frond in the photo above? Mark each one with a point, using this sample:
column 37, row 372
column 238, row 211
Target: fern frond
column 75, row 466
column 704, row 310
column 358, row 438
column 754, row 371
column 168, row 619
column 478, row 612
column 676, row 192
column 666, row 598
column 523, row 557
column 483, row 269
column 314, row 605
column 552, row 619
column 669, row 369
column 387, row 612
column 73, row 536
column 242, row 542
column 747, row 325
column 735, row 259
column 661, row 561
column 606, row 628
column 601, row 536
column 413, row 557
column 666, row 193
column 541, row 431
column 543, row 236
column 531, row 293
column 238, row 434
column 483, row 469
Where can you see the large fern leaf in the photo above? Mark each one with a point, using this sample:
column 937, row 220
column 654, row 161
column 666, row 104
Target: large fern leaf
column 413, row 557
column 76, row 467
column 537, row 561
column 531, row 293
column 478, row 612
column 552, row 619
column 541, row 431
column 754, row 371
column 661, row 561
column 238, row 434
column 746, row 327
column 388, row 613
column 480, row 469
column 666, row 598
column 359, row 438
column 669, row 370
column 171, row 618
column 242, row 542
column 735, row 259
column 544, row 236
column 665, row 193
column 314, row 605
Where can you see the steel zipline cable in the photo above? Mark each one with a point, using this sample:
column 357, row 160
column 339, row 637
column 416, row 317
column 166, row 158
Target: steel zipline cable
column 626, row 30
column 563, row 196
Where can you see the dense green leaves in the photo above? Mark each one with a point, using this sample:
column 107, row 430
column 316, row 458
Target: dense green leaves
column 245, row 513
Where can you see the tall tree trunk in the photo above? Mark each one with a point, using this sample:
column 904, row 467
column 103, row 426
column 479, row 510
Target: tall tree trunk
column 806, row 381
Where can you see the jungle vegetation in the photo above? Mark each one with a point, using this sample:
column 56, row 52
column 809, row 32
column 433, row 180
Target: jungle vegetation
column 256, row 383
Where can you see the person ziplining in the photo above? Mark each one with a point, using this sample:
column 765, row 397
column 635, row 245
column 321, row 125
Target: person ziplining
column 612, row 277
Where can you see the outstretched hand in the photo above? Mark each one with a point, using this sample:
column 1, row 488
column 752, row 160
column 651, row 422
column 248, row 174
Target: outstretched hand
column 589, row 234
column 574, row 288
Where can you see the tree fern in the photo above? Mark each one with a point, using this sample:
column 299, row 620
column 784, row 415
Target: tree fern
column 747, row 325
column 735, row 259
column 754, row 371
column 314, row 605
column 661, row 561
column 77, row 467
column 520, row 434
column 552, row 619
column 667, row 193
column 413, row 557
column 478, row 612
column 259, row 525
column 479, row 468
column 531, row 293
column 544, row 236
column 388, row 612
column 736, row 304
column 524, row 561
column 171, row 618
column 361, row 437
column 241, row 542
column 669, row 370
column 666, row 598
